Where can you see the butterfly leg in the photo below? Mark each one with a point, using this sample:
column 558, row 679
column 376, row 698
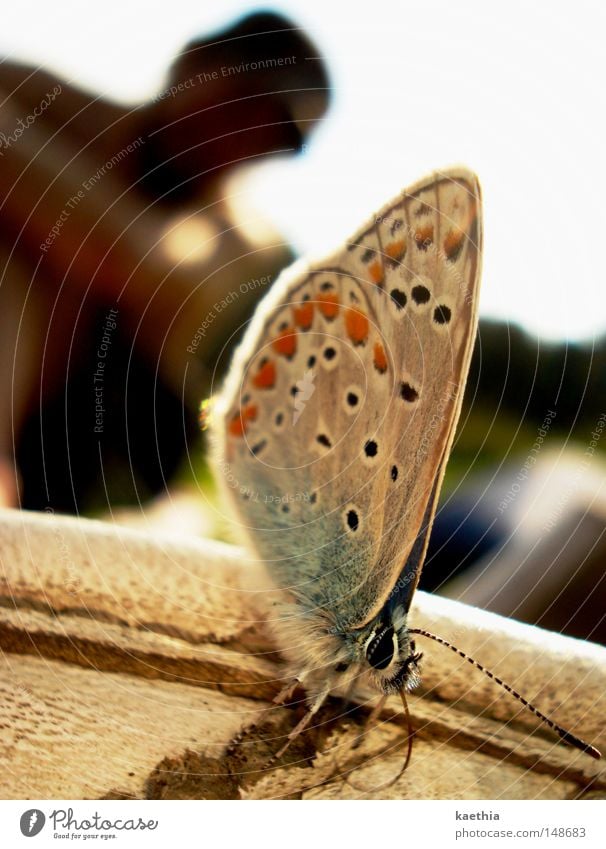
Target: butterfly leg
column 286, row 692
column 284, row 695
column 303, row 723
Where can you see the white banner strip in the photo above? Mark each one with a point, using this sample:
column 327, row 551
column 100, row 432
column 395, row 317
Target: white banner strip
column 301, row 825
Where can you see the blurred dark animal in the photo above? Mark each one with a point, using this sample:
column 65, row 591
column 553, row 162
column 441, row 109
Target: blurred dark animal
column 91, row 193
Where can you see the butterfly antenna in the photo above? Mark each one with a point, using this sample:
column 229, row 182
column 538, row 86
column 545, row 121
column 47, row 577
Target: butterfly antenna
column 565, row 735
column 409, row 738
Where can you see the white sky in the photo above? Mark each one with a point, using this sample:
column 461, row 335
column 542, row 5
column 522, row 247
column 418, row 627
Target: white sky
column 512, row 89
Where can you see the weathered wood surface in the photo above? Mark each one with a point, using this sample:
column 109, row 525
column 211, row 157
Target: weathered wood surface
column 141, row 666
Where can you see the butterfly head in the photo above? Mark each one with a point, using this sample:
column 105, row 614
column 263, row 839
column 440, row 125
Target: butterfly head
column 390, row 655
column 385, row 650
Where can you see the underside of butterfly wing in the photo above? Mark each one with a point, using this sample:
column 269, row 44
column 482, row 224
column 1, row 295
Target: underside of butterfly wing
column 334, row 426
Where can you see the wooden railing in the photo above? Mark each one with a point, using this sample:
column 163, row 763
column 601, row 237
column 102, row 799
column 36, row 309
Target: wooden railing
column 141, row 666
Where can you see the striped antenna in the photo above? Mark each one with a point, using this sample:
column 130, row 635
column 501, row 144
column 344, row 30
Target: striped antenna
column 565, row 735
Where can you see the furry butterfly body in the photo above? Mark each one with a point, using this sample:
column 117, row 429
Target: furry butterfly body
column 336, row 420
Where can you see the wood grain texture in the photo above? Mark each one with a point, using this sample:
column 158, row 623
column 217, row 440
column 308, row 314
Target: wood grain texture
column 140, row 666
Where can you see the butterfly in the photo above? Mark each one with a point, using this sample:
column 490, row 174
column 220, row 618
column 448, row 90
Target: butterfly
column 334, row 427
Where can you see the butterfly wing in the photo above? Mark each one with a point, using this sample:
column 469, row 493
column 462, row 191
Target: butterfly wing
column 334, row 426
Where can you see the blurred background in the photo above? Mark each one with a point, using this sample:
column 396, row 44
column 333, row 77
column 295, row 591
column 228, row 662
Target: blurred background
column 155, row 160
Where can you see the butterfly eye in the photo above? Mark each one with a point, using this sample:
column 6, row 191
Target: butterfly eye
column 381, row 649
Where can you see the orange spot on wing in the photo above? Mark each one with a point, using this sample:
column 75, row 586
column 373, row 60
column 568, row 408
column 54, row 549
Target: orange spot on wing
column 375, row 269
column 265, row 378
column 286, row 343
column 396, row 250
column 304, row 315
column 328, row 304
column 237, row 426
column 356, row 325
column 424, row 237
column 453, row 243
column 249, row 413
column 239, row 422
column 380, row 358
